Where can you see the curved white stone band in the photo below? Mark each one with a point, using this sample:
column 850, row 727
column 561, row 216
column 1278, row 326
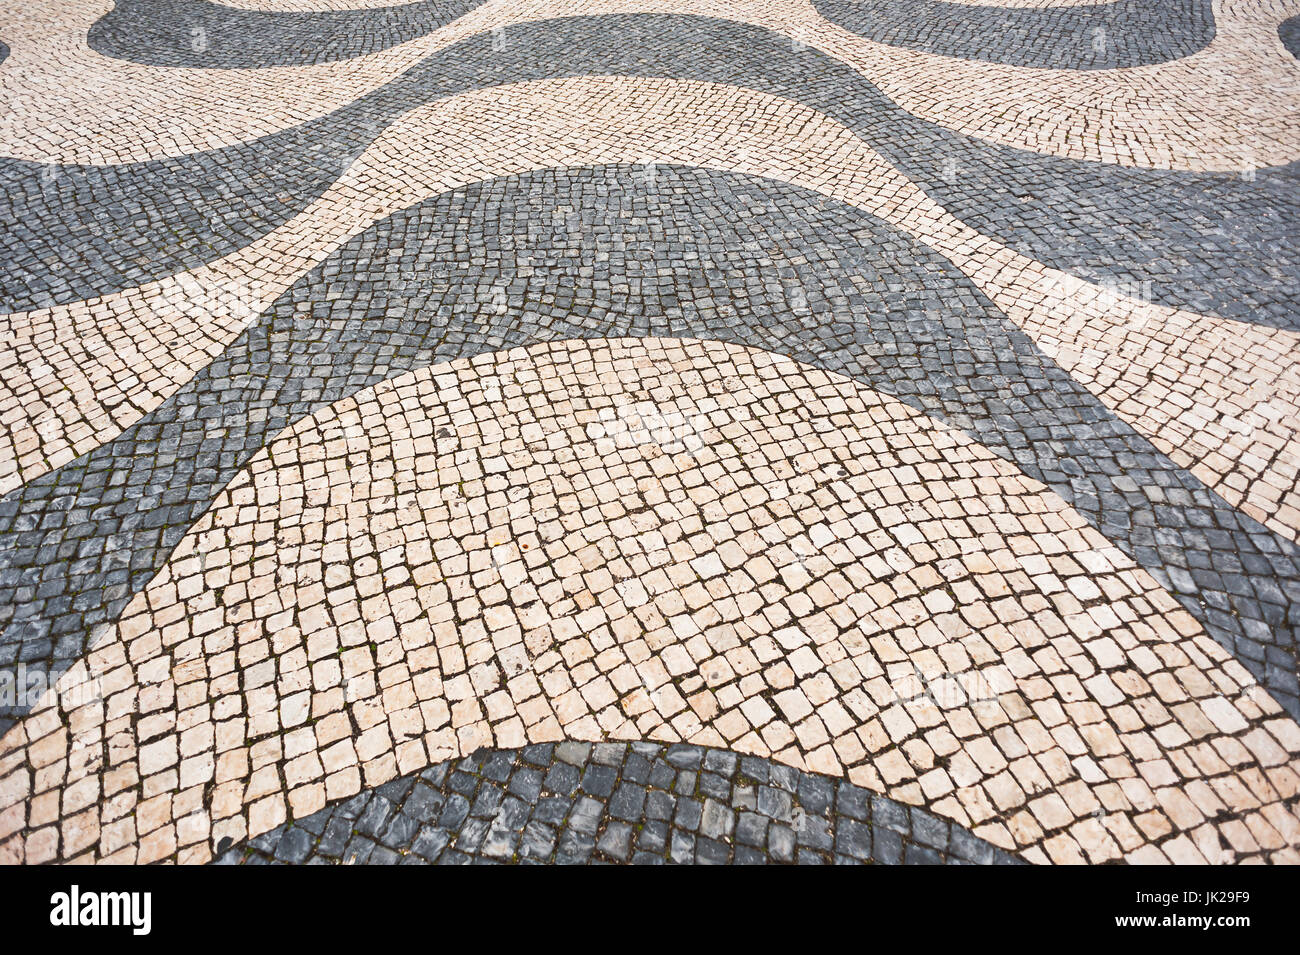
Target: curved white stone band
column 80, row 373
column 1227, row 107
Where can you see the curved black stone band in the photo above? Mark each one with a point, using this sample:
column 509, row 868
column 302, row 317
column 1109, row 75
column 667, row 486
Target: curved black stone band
column 599, row 252
column 198, row 34
column 639, row 803
column 1289, row 33
column 1211, row 242
column 1102, row 36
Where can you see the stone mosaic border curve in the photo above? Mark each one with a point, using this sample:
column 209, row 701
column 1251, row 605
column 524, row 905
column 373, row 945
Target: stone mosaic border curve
column 200, row 34
column 1160, row 232
column 643, row 804
column 84, row 538
column 1128, row 111
column 1094, row 36
column 1288, row 32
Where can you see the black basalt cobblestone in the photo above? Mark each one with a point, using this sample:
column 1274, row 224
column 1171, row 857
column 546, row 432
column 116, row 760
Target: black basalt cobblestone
column 204, row 35
column 1094, row 36
column 616, row 803
column 1289, row 33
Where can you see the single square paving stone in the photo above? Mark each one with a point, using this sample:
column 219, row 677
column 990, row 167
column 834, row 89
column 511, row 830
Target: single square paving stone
column 853, row 801
column 781, row 843
column 430, row 842
column 335, row 837
column 929, row 830
column 609, row 754
column 401, row 830
column 853, row 838
column 721, row 761
column 295, row 845
column 662, row 775
column 488, row 800
column 688, row 815
column 537, row 842
column 425, row 802
column 616, row 841
column 575, row 847
column 683, row 756
column 681, row 847
column 659, row 805
column 499, row 842
column 575, row 754
column 538, row 754
column 686, row 783
column 751, row 829
column 586, row 814
column 562, row 778
column 454, row 812
column 472, row 833
column 774, row 803
column 751, row 767
column 816, row 793
column 628, row 802
column 711, row 784
column 499, row 765
column 717, row 821
column 653, row 837
column 711, row 852
column 636, row 769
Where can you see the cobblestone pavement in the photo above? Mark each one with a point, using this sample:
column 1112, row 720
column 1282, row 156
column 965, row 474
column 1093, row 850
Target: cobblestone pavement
column 650, row 430
column 642, row 803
